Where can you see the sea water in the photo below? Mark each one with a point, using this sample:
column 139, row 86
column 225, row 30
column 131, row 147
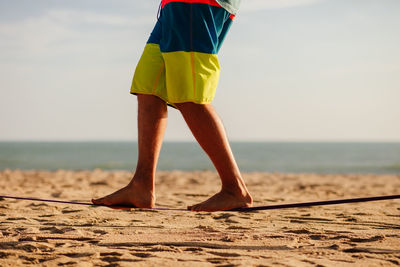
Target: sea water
column 308, row 157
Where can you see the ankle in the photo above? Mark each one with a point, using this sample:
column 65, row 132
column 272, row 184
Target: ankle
column 146, row 191
column 145, row 183
column 235, row 190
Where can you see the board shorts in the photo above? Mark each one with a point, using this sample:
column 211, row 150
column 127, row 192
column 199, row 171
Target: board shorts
column 179, row 63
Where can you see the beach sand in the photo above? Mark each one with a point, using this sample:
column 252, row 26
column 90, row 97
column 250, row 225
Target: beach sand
column 49, row 234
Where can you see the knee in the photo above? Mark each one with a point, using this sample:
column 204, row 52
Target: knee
column 151, row 103
column 149, row 99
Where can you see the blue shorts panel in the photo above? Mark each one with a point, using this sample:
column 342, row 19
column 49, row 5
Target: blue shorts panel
column 191, row 27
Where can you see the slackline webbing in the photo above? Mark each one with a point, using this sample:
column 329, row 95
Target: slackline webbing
column 269, row 207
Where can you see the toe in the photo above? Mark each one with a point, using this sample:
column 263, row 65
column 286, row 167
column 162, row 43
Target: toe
column 193, row 207
column 196, row 208
column 98, row 201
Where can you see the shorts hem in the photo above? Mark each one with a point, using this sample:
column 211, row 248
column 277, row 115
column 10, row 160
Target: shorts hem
column 173, row 102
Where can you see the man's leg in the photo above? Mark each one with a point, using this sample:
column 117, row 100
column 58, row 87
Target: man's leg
column 208, row 130
column 152, row 121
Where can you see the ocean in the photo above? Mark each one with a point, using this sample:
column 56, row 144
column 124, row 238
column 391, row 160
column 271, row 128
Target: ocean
column 289, row 157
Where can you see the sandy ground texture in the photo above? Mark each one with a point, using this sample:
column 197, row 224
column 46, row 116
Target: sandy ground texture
column 48, row 234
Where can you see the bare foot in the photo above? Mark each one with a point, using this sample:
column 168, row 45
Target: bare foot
column 224, row 200
column 131, row 196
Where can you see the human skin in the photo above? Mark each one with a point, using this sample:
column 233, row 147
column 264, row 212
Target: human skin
column 209, row 132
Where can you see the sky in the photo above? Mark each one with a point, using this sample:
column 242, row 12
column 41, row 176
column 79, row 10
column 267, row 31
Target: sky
column 292, row 70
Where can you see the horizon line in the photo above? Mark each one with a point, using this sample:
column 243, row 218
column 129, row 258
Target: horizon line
column 193, row 141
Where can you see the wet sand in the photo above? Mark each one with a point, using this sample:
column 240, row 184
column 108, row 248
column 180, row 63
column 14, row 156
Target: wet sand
column 50, row 234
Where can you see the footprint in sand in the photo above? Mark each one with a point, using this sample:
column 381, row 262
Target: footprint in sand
column 362, row 214
column 99, row 231
column 224, row 254
column 337, row 237
column 46, row 248
column 218, row 261
column 46, row 215
column 56, row 194
column 370, row 250
column 28, row 260
column 64, row 237
column 142, row 254
column 350, row 219
column 16, row 219
column 307, row 219
column 165, row 249
column 229, row 220
column 201, row 216
column 318, row 237
column 41, row 220
column 71, row 230
column 34, row 248
column 113, row 253
column 366, row 240
column 52, row 229
column 27, row 238
column 222, row 216
column 193, row 249
column 68, row 210
column 37, row 205
column 57, row 230
column 114, row 257
column 299, row 231
column 113, row 260
column 78, row 255
column 68, row 263
column 60, row 244
column 233, row 227
column 4, row 255
column 228, row 239
column 310, row 262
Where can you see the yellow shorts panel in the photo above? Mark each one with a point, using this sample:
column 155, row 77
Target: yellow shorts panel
column 176, row 77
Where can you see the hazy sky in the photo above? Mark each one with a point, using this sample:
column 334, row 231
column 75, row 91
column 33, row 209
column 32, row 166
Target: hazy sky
column 291, row 70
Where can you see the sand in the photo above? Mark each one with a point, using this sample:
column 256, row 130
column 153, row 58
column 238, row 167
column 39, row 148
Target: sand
column 48, row 234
